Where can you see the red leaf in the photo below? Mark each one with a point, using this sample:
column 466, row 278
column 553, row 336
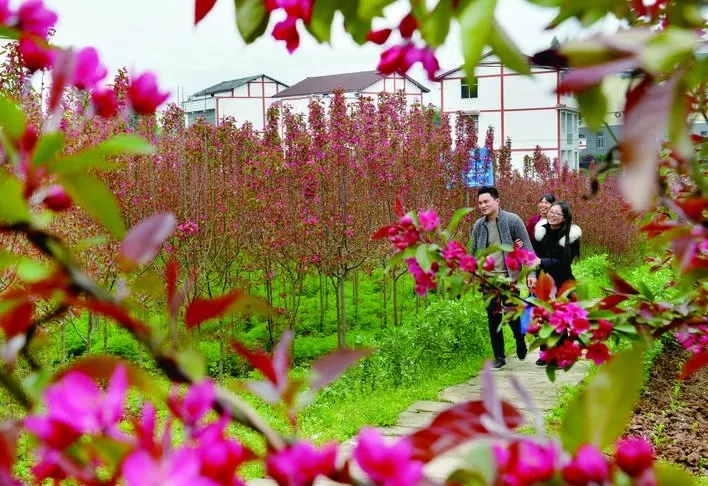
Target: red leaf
column 694, row 364
column 201, row 9
column 455, row 426
column 18, row 319
column 639, row 7
column 583, row 78
column 544, row 287
column 259, row 360
column 611, row 301
column 398, row 208
column 693, row 207
column 114, row 311
column 145, row 239
column 382, row 233
column 281, row 357
column 237, row 301
column 329, row 367
column 621, row 285
column 567, row 285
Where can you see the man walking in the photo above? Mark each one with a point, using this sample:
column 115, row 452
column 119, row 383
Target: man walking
column 498, row 227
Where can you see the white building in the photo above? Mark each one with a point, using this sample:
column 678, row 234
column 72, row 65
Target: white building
column 245, row 99
column 524, row 108
column 354, row 85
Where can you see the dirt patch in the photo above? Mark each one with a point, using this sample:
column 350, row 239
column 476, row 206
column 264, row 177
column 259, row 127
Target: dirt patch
column 673, row 414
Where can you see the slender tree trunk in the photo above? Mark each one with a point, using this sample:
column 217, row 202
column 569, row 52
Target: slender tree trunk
column 269, row 297
column 63, row 340
column 105, row 335
column 355, row 282
column 221, row 352
column 341, row 314
column 384, row 286
column 89, row 333
column 395, row 302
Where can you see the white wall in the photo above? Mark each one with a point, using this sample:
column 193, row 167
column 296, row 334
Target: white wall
column 243, row 110
column 199, row 104
column 535, row 91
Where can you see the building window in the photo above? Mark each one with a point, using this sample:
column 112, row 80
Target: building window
column 208, row 115
column 600, row 140
column 468, row 90
column 474, row 118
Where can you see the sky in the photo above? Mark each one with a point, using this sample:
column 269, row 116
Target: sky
column 159, row 35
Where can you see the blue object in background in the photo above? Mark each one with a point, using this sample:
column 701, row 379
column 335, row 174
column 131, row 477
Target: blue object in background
column 481, row 171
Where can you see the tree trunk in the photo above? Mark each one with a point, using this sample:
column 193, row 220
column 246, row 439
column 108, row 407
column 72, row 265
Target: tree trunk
column 355, row 282
column 341, row 314
column 323, row 301
column 384, row 286
column 269, row 297
column 63, row 340
column 395, row 301
column 89, row 333
column 105, row 335
column 221, row 352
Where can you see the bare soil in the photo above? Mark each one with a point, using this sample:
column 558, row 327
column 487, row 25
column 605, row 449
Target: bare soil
column 673, row 414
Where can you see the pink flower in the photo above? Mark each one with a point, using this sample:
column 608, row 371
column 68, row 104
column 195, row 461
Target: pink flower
column 588, row 466
column 220, row 457
column 195, row 404
column 144, row 94
column 512, row 264
column 424, row 281
column 598, row 352
column 468, row 263
column 105, row 102
column 562, row 356
column 88, row 70
column 378, row 36
column 286, row 30
column 489, row 264
column 387, row 465
column 391, row 59
column 35, row 57
column 178, row 468
column 35, row 19
column 76, row 402
column 57, row 199
column 300, row 9
column 429, row 220
column 301, row 463
column 526, row 462
column 5, row 12
column 634, row 456
column 430, row 62
column 54, row 435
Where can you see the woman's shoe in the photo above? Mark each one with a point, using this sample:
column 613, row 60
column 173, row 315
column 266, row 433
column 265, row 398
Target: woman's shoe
column 540, row 362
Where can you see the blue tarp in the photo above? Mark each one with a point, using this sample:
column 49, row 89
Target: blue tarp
column 481, row 171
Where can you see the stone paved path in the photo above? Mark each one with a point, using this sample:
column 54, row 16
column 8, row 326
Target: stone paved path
column 420, row 414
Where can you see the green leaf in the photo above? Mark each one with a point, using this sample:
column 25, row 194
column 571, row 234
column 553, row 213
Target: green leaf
column 593, row 106
column 14, row 208
column 601, row 314
column 457, row 218
column 668, row 48
column 97, row 200
column 368, row 9
column 422, row 256
column 616, row 386
column 645, row 290
column 671, row 474
column 124, row 144
column 95, row 157
column 679, row 129
column 551, row 372
column 251, row 19
column 545, row 331
column 505, row 48
column 436, row 26
column 9, row 33
column 12, row 120
column 48, row 147
column 192, row 364
column 476, row 21
column 357, row 26
column 322, row 17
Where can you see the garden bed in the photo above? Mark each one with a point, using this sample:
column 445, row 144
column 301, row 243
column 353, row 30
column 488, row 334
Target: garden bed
column 673, row 414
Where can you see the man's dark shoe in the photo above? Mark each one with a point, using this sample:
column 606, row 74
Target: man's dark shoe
column 499, row 363
column 540, row 362
column 521, row 349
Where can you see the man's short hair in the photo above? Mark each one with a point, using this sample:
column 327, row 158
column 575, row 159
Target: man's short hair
column 491, row 190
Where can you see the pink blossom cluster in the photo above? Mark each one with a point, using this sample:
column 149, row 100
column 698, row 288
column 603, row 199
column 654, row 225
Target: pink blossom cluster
column 694, row 339
column 286, row 30
column 527, row 461
column 519, row 257
column 456, row 256
column 402, row 235
column 578, row 334
column 188, row 228
column 387, row 464
column 81, row 69
column 424, row 281
column 399, row 58
column 77, row 407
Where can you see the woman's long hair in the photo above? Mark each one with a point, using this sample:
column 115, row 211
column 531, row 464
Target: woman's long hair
column 565, row 226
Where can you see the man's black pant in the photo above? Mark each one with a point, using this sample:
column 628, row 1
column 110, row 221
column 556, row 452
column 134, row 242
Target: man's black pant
column 494, row 315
